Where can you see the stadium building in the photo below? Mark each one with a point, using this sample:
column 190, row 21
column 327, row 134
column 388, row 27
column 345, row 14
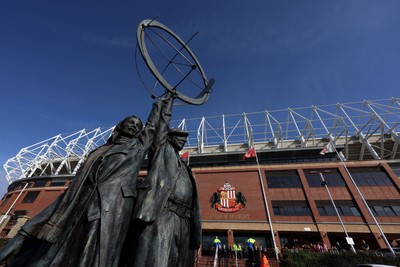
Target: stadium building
column 273, row 195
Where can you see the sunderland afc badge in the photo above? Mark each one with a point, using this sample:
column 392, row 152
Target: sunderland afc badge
column 226, row 199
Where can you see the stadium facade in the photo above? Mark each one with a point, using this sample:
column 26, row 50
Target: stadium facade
column 279, row 186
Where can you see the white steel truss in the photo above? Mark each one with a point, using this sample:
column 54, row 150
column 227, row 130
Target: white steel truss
column 366, row 130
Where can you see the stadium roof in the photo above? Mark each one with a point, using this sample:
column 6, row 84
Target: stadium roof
column 366, row 130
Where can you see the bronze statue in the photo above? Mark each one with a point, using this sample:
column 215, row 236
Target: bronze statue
column 168, row 211
column 87, row 225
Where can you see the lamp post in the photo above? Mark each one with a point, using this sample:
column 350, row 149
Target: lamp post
column 324, row 184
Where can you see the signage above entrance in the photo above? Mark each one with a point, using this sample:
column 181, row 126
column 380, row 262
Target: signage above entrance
column 226, row 199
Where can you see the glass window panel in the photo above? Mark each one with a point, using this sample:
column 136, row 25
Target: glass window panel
column 6, row 200
column 40, row 183
column 321, row 211
column 306, row 211
column 379, row 211
column 373, row 210
column 389, row 212
column 370, row 176
column 30, row 197
column 330, row 211
column 290, row 210
column 396, row 209
column 340, row 211
column 283, row 179
column 277, row 210
column 58, row 182
column 346, row 211
column 354, row 211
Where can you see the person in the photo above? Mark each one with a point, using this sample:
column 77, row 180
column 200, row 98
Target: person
column 250, row 247
column 264, row 261
column 339, row 247
column 234, row 250
column 240, row 251
column 364, row 245
column 87, row 224
column 168, row 209
column 216, row 243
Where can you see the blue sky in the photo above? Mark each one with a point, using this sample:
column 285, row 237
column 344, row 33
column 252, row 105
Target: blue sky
column 69, row 65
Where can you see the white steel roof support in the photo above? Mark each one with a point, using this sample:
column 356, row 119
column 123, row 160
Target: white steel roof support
column 361, row 136
column 224, row 134
column 329, row 133
column 391, row 131
column 276, row 134
column 249, row 131
column 91, row 144
column 56, row 156
column 69, row 151
column 301, row 137
column 200, row 136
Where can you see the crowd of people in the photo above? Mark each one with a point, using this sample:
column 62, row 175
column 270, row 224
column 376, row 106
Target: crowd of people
column 322, row 247
column 251, row 250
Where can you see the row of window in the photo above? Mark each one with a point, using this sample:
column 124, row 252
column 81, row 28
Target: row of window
column 396, row 168
column 291, row 208
column 374, row 176
column 41, row 183
column 388, row 208
column 344, row 208
column 385, row 208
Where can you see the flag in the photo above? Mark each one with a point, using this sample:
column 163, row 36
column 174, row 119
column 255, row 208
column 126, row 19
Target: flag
column 327, row 149
column 185, row 155
column 250, row 154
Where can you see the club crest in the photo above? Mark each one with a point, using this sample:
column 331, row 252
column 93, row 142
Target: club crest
column 226, row 199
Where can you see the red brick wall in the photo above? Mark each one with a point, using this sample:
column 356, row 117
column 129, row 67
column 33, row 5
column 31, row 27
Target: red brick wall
column 246, row 182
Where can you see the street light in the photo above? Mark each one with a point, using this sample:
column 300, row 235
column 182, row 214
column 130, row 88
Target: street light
column 324, row 184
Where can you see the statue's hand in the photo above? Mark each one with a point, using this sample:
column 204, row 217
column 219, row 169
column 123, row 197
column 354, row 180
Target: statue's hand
column 174, row 94
column 169, row 95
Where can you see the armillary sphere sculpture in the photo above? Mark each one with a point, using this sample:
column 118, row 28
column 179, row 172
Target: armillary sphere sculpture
column 172, row 63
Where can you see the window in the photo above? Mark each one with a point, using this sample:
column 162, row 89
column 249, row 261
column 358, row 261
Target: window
column 354, row 211
column 58, row 182
column 283, row 179
column 344, row 208
column 30, row 197
column 6, row 200
column 40, row 183
column 385, row 208
column 291, row 208
column 370, row 176
column 19, row 213
column 396, row 168
column 333, row 178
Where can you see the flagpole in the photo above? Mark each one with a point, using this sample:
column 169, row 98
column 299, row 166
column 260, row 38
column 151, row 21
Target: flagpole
column 364, row 201
column 266, row 205
column 324, row 184
column 216, row 256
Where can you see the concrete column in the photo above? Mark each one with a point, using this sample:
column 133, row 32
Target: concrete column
column 379, row 239
column 231, row 239
column 325, row 238
column 363, row 209
column 278, row 240
column 5, row 221
column 20, row 222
